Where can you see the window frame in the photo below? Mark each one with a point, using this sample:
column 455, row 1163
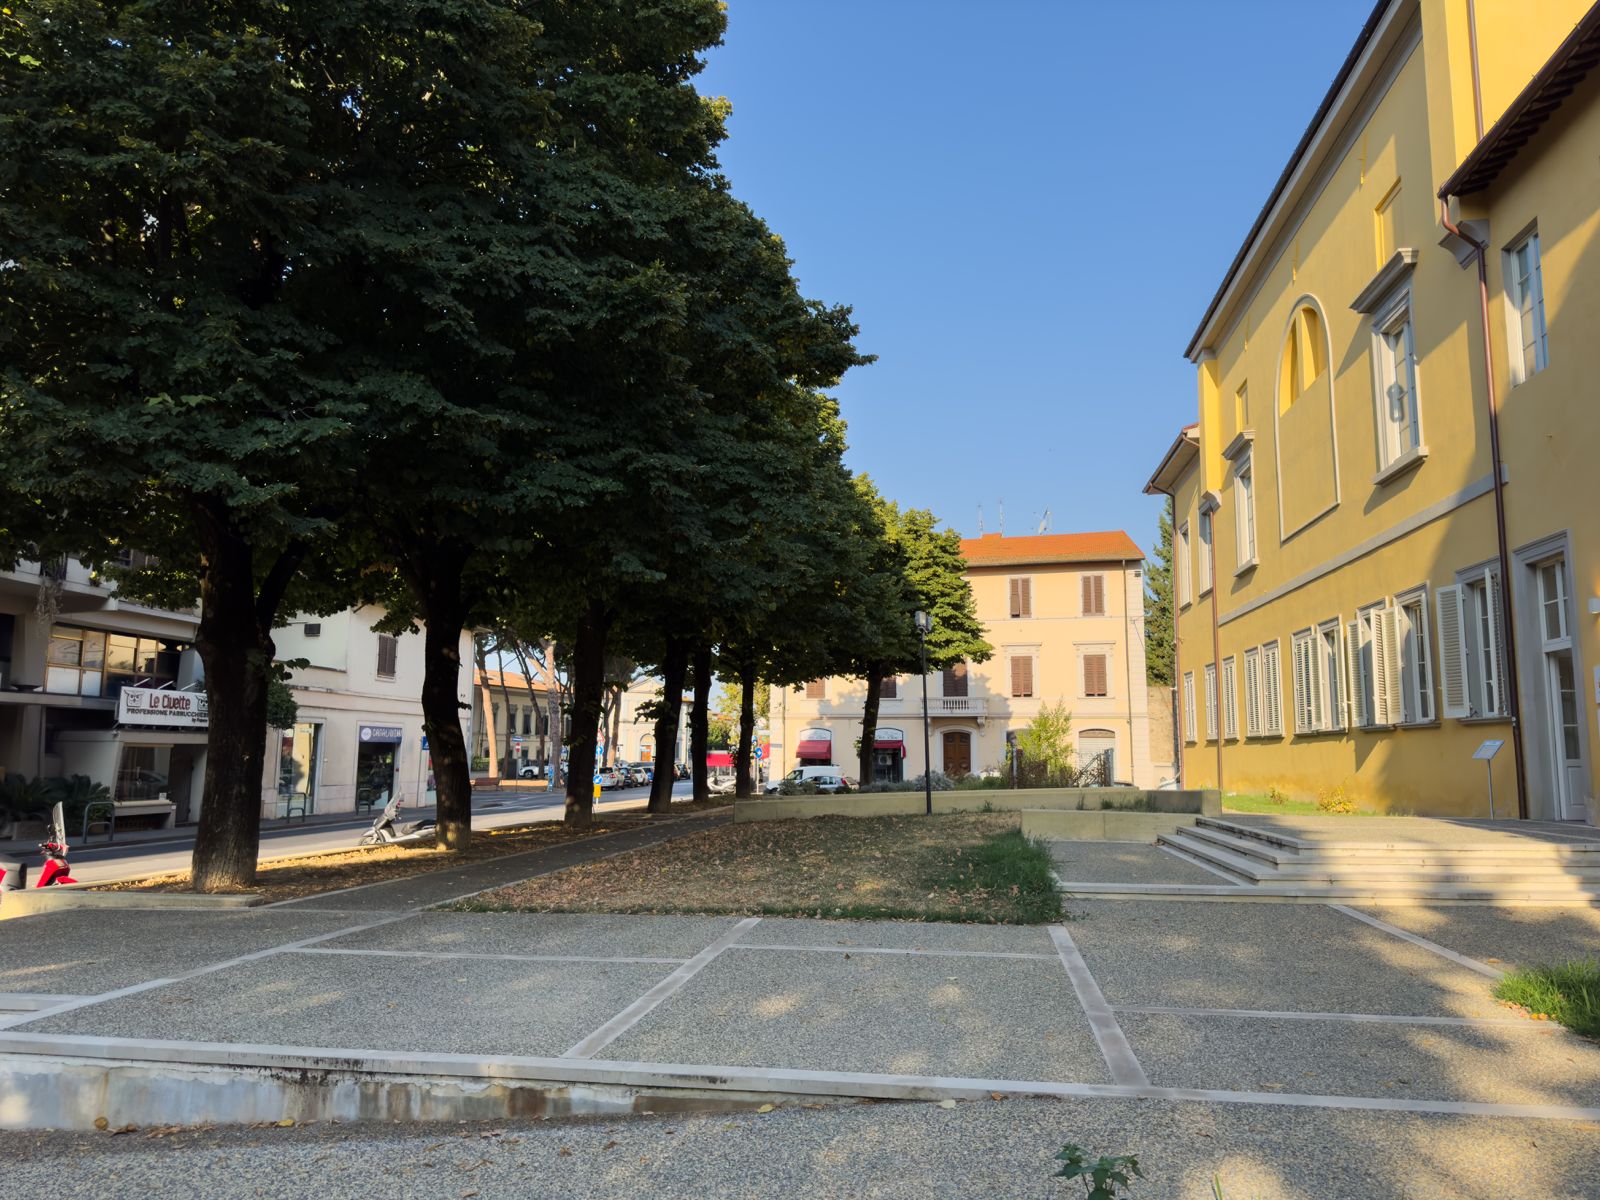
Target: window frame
column 1206, row 549
column 1244, row 512
column 1517, row 361
column 1272, row 688
column 1019, row 597
column 1395, row 318
column 1417, row 664
column 1092, row 584
column 1103, row 653
column 388, row 644
column 1032, row 659
column 1185, row 578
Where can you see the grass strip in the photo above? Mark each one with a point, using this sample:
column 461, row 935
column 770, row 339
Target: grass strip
column 1011, row 868
column 1567, row 992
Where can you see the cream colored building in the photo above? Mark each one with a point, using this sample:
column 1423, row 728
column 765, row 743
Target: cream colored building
column 1065, row 615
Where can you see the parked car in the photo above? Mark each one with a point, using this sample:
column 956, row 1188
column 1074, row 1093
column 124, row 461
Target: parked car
column 531, row 771
column 827, row 779
column 640, row 775
column 610, row 778
column 683, row 770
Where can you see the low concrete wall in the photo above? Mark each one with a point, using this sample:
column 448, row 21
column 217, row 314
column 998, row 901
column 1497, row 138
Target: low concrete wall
column 1103, row 825
column 907, row 804
column 28, row 902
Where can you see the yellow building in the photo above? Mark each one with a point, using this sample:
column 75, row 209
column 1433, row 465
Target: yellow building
column 1065, row 615
column 1360, row 606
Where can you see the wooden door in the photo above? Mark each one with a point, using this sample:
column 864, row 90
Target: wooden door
column 957, row 753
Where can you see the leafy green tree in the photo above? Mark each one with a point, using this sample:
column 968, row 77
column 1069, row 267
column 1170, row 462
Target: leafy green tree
column 1046, row 741
column 1158, row 627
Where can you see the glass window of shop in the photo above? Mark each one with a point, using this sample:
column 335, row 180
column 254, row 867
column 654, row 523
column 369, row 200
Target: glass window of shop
column 90, row 662
column 142, row 773
column 297, row 763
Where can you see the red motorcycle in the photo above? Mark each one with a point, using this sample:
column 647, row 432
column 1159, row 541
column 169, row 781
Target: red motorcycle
column 56, row 868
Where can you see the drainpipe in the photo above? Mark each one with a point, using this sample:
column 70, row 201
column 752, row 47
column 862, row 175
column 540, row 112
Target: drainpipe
column 1513, row 682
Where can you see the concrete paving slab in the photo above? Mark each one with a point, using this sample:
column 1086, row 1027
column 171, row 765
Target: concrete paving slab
column 1283, row 957
column 395, row 1004
column 84, row 952
column 586, row 934
column 983, row 1018
column 1123, row 862
column 1502, row 937
column 886, row 1151
column 903, row 935
column 1500, row 1064
column 1442, row 832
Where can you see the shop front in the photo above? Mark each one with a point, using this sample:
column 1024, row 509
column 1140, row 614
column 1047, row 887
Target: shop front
column 889, row 755
column 377, row 763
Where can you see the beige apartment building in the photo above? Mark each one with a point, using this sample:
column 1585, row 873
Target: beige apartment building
column 1065, row 615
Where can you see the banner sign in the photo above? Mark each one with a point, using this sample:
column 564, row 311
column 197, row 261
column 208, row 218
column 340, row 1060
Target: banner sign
column 381, row 733
column 162, row 706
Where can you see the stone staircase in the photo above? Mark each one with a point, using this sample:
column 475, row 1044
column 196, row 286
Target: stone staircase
column 1490, row 866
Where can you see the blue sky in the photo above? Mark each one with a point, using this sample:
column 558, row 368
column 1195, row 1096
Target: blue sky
column 1029, row 204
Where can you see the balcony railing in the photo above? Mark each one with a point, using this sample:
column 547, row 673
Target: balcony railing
column 957, row 706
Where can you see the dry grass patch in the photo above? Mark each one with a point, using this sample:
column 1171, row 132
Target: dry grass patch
column 310, row 875
column 956, row 867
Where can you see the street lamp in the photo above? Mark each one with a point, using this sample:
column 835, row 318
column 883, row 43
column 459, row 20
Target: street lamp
column 924, row 624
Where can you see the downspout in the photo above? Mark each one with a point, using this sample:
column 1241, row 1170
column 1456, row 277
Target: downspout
column 1177, row 656
column 1477, row 87
column 1513, row 680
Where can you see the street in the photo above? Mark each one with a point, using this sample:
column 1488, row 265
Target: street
column 158, row 851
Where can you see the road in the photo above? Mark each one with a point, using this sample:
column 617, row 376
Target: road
column 169, row 850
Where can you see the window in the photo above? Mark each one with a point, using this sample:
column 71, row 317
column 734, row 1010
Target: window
column 1390, row 234
column 1330, row 661
column 1230, row 700
column 1211, row 701
column 1399, row 420
column 1318, row 688
column 313, row 629
column 955, row 680
column 75, row 661
column 388, row 653
column 527, row 723
column 1241, row 408
column 1271, row 690
column 1021, row 675
column 1094, row 595
column 1525, row 292
column 1471, row 652
column 817, row 689
column 1094, row 675
column 1244, row 511
column 1305, row 357
column 1022, row 597
column 1188, row 707
column 1184, row 596
column 889, row 688
column 1416, row 668
column 1253, row 710
column 1205, row 551
column 1307, row 702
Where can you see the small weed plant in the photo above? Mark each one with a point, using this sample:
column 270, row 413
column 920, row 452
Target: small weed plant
column 1566, row 992
column 1105, row 1178
column 1276, row 796
column 1334, row 800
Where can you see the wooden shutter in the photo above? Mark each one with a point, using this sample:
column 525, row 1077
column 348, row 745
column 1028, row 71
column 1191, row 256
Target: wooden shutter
column 388, row 652
column 817, row 689
column 1452, row 651
column 955, row 680
column 1022, row 597
column 1022, row 675
column 889, row 689
column 1094, row 675
column 1094, row 595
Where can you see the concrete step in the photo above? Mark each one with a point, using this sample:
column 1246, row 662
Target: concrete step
column 1206, row 853
column 1244, row 847
column 1313, row 894
column 1507, row 846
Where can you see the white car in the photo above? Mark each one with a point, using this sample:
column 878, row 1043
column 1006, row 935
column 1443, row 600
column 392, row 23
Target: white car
column 827, row 779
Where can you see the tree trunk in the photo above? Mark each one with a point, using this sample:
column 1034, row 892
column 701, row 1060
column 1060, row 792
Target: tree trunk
column 747, row 731
column 700, row 724
column 869, row 725
column 557, row 715
column 508, row 763
column 486, row 699
column 674, row 666
column 588, row 695
column 441, row 714
column 235, row 644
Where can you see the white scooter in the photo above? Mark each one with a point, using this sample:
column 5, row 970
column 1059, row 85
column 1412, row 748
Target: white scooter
column 385, row 832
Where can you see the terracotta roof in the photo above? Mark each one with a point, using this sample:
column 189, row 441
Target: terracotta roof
column 1572, row 60
column 509, row 679
column 992, row 549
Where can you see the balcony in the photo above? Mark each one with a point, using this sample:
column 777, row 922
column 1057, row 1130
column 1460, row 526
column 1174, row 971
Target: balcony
column 957, row 706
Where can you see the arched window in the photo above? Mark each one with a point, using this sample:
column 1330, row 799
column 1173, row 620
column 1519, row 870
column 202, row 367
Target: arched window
column 1305, row 356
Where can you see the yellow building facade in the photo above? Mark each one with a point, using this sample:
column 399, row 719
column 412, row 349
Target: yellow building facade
column 1065, row 615
column 1360, row 608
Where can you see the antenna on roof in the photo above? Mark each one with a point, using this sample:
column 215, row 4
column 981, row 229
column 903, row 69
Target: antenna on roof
column 1002, row 518
column 1044, row 525
column 980, row 520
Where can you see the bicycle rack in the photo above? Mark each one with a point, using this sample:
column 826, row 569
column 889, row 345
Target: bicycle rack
column 111, row 807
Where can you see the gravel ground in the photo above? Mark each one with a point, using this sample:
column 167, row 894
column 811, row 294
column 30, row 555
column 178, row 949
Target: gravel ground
column 981, row 1018
column 886, row 1151
column 1294, row 957
column 375, row 1003
column 1536, row 1064
column 544, row 933
column 83, row 951
column 1504, row 937
column 1123, row 862
column 902, row 935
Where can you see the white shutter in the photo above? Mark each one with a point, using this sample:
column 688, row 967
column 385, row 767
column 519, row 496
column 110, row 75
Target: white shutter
column 1302, row 686
column 1386, row 666
column 1230, row 699
column 1495, row 652
column 1272, row 689
column 1188, row 707
column 1252, row 693
column 1211, row 701
column 1340, row 718
column 1354, row 644
column 1452, row 651
column 1317, row 698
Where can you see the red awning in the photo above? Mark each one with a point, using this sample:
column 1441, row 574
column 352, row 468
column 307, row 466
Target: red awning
column 815, row 749
column 890, row 743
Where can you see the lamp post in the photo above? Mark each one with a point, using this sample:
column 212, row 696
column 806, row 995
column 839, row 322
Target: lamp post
column 924, row 624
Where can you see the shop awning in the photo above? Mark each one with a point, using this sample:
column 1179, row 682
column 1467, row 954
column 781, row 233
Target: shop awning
column 891, row 739
column 815, row 748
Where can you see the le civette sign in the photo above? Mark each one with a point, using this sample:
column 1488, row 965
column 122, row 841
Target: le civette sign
column 162, row 706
